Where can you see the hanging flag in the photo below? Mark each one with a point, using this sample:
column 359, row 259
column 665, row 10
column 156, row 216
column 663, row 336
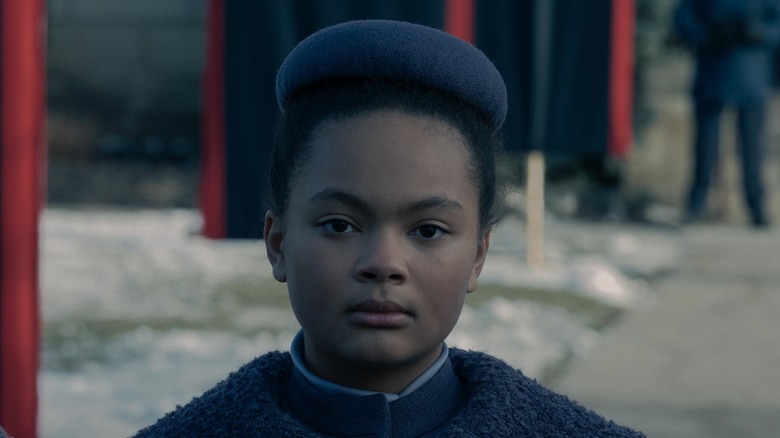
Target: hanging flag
column 568, row 65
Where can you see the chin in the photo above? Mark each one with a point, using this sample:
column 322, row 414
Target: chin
column 378, row 356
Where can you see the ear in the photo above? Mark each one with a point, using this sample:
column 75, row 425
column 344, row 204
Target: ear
column 479, row 261
column 273, row 235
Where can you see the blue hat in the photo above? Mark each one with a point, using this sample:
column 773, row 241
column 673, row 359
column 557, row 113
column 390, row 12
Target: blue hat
column 398, row 51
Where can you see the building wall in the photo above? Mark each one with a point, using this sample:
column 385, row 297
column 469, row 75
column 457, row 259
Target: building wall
column 124, row 77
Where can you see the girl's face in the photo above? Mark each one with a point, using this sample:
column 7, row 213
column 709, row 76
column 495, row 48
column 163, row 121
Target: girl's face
column 380, row 244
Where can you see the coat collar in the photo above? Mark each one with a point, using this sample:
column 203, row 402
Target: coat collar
column 342, row 415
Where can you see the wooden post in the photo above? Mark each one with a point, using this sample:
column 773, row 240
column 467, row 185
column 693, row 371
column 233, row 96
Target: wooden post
column 535, row 210
column 544, row 13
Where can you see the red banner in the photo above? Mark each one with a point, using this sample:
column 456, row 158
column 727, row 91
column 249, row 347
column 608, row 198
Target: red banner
column 22, row 110
column 212, row 183
column 621, row 75
column 459, row 19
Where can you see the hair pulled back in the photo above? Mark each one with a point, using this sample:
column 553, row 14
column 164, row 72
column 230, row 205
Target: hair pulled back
column 311, row 107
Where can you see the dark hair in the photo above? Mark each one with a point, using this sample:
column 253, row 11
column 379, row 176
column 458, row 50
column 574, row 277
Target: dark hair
column 312, row 106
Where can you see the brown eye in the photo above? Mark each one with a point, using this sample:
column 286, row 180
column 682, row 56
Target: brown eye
column 429, row 232
column 338, row 226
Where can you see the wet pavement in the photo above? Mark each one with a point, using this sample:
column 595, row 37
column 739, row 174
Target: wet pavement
column 703, row 358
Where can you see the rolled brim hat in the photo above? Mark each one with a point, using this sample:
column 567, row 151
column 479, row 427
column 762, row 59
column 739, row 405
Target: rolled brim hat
column 400, row 51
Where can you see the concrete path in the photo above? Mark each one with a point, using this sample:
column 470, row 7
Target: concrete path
column 703, row 359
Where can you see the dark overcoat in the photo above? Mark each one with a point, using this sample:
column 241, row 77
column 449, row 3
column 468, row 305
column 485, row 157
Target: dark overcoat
column 262, row 399
column 733, row 41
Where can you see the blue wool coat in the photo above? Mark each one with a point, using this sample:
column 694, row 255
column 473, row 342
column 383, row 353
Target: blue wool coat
column 473, row 395
column 733, row 41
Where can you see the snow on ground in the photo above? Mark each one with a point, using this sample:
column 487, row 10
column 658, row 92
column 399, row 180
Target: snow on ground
column 141, row 314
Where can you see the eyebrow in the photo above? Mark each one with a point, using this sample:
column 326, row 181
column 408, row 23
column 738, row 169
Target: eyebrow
column 341, row 197
column 435, row 203
column 430, row 203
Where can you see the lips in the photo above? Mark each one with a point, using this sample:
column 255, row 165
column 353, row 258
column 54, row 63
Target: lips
column 379, row 314
column 380, row 306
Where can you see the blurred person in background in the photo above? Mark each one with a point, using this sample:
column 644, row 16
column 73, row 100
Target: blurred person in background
column 733, row 42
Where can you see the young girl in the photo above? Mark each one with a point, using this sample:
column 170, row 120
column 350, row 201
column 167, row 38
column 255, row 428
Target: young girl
column 383, row 194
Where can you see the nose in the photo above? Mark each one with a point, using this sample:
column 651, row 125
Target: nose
column 382, row 259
